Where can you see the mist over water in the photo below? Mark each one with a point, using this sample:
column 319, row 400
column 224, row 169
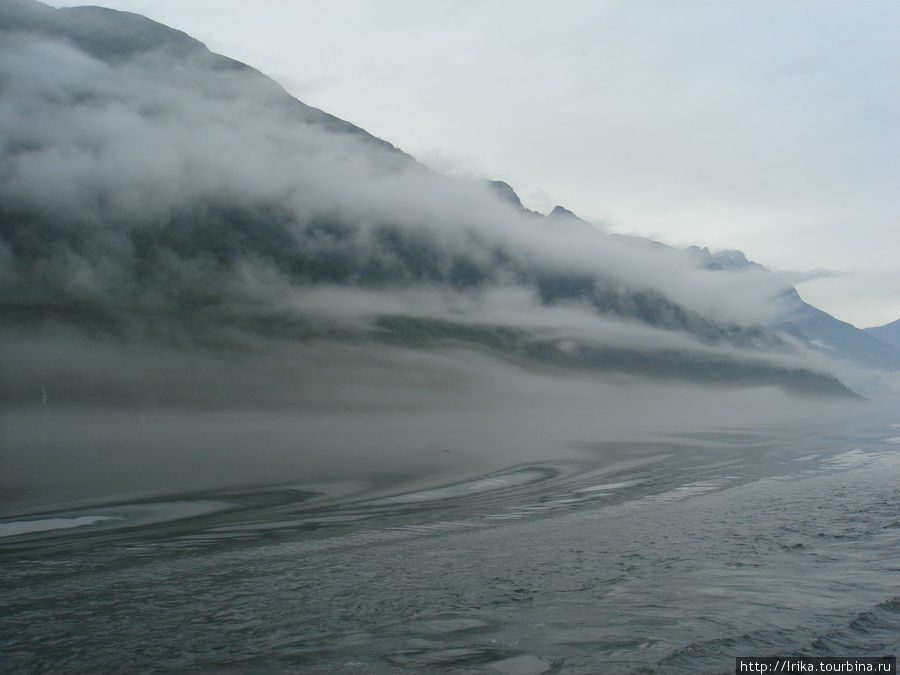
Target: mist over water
column 352, row 413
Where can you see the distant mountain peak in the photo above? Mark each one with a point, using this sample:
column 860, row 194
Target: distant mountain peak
column 729, row 259
column 505, row 192
column 561, row 212
column 560, row 216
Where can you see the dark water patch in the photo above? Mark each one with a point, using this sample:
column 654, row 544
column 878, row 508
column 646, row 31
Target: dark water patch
column 871, row 632
column 717, row 655
column 446, row 658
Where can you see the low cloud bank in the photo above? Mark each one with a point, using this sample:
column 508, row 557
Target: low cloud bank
column 166, row 201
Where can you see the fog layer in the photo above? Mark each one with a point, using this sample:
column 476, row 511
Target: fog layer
column 169, row 214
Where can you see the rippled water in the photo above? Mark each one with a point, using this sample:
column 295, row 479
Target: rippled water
column 672, row 553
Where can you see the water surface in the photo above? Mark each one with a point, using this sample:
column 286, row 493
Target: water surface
column 671, row 552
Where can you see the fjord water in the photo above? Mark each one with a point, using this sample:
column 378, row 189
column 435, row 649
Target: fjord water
column 448, row 542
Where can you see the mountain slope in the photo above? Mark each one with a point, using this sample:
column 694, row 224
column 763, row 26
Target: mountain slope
column 837, row 338
column 115, row 37
column 157, row 195
column 889, row 333
column 816, row 329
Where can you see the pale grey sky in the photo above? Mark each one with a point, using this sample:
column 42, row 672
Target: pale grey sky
column 769, row 126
